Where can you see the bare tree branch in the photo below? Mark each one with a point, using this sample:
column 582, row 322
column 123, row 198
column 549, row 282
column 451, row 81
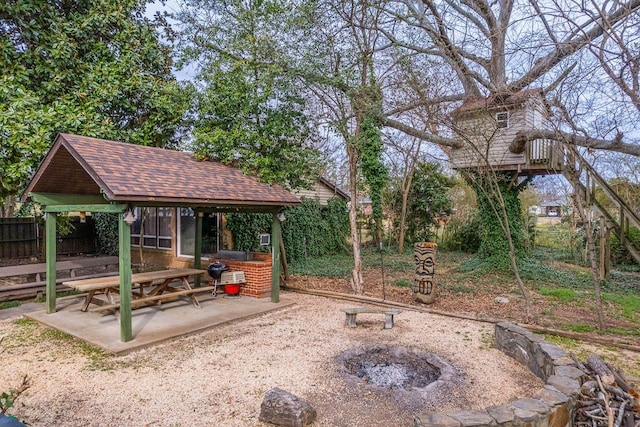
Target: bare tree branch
column 426, row 136
column 451, row 52
column 424, row 103
column 571, row 46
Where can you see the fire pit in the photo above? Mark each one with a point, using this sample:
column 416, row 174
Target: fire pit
column 393, row 367
column 409, row 376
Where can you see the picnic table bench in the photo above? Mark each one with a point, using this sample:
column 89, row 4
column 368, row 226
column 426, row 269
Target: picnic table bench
column 34, row 274
column 352, row 312
column 158, row 283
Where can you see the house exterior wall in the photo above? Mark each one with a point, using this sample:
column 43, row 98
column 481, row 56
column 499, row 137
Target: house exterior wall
column 320, row 193
column 257, row 272
column 483, row 141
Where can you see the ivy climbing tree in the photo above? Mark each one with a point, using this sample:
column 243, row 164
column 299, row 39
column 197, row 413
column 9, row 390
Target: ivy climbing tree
column 370, row 149
column 494, row 246
column 499, row 209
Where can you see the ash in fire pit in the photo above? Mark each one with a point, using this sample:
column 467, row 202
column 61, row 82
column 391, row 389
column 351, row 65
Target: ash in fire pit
column 397, row 368
column 393, row 369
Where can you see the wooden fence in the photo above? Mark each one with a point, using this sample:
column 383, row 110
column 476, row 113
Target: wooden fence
column 19, row 238
column 24, row 238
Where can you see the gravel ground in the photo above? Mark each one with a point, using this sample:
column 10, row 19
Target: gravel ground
column 218, row 378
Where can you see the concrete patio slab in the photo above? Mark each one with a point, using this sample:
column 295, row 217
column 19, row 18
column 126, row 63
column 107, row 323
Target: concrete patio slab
column 154, row 324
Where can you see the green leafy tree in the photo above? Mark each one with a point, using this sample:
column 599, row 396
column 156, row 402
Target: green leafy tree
column 94, row 68
column 428, row 201
column 250, row 113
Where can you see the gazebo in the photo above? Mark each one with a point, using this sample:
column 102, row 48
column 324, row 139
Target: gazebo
column 83, row 174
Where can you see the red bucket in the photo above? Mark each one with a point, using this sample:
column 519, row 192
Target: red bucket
column 232, row 288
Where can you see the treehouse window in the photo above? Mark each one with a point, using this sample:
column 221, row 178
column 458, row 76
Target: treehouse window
column 502, row 119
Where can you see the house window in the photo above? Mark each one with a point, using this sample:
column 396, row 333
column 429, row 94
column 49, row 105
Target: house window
column 155, row 225
column 187, row 233
column 502, row 119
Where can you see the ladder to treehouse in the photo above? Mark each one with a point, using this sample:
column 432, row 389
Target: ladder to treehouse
column 586, row 181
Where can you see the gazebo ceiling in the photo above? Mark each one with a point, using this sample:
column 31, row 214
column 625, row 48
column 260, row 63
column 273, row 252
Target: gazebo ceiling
column 137, row 174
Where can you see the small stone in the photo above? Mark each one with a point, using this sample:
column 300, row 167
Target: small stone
column 559, row 417
column 502, row 300
column 564, row 361
column 511, row 328
column 282, row 408
column 521, row 355
column 552, row 350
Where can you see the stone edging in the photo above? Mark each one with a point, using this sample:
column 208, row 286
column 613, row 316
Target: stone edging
column 550, row 406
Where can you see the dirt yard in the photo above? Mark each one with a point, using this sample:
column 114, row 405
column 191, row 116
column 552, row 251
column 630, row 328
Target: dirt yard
column 478, row 300
column 220, row 377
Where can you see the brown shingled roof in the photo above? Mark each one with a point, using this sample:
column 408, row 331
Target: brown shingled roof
column 492, row 101
column 134, row 173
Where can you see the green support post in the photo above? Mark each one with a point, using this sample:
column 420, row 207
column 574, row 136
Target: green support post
column 124, row 244
column 276, row 235
column 197, row 250
column 50, row 252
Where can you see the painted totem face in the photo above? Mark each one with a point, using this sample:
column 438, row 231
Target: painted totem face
column 424, row 255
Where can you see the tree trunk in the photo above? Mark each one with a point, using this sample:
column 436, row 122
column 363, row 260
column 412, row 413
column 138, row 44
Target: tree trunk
column 403, row 220
column 8, row 207
column 514, row 268
column 357, row 283
column 591, row 249
column 412, row 159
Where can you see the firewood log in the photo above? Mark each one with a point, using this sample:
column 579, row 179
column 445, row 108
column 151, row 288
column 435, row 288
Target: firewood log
column 601, row 369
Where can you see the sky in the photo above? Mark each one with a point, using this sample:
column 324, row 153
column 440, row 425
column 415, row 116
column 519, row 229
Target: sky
column 171, row 6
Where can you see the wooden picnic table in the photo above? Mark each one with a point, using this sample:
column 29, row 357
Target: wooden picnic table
column 149, row 287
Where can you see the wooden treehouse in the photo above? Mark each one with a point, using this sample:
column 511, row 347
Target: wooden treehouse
column 487, row 129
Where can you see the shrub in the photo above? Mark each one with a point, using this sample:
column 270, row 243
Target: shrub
column 107, row 232
column 310, row 229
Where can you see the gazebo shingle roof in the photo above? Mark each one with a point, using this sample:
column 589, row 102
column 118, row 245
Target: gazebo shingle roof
column 133, row 173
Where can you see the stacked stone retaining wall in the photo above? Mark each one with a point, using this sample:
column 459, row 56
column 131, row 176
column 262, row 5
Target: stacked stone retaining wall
column 550, row 406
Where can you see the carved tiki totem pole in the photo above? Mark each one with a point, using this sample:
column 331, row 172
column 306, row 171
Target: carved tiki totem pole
column 424, row 285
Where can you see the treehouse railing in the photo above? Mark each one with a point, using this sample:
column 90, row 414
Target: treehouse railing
column 546, row 153
column 585, row 179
